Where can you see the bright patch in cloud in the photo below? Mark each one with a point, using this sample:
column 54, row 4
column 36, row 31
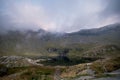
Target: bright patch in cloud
column 58, row 16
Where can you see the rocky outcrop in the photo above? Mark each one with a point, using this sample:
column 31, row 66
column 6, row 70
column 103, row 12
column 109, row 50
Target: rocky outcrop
column 76, row 70
column 16, row 61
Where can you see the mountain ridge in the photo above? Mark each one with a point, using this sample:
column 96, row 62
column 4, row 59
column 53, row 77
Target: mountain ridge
column 38, row 42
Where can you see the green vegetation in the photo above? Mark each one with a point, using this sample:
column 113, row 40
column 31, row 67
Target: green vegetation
column 99, row 47
column 3, row 70
column 31, row 73
column 30, row 43
column 109, row 65
column 38, row 73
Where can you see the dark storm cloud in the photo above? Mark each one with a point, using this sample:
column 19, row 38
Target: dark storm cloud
column 112, row 8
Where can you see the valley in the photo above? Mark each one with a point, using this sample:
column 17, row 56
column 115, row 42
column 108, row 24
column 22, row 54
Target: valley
column 92, row 54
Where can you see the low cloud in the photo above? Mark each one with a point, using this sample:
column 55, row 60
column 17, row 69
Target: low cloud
column 58, row 16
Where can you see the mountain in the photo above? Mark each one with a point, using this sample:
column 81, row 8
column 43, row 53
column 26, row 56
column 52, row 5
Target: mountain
column 99, row 31
column 38, row 55
column 43, row 43
column 107, row 33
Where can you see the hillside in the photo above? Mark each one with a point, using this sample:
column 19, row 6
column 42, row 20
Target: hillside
column 43, row 43
column 42, row 55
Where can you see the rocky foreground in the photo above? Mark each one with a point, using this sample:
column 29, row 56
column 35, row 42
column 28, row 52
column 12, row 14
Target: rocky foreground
column 17, row 61
column 103, row 69
column 22, row 68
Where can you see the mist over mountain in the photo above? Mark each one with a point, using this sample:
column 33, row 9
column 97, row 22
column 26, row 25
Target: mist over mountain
column 58, row 16
column 59, row 39
column 39, row 42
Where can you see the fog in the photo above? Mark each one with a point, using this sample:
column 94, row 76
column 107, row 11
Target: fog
column 58, row 15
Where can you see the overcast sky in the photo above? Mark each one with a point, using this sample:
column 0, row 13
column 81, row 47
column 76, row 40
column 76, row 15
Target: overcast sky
column 58, row 15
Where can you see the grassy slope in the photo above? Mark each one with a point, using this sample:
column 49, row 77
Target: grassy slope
column 29, row 73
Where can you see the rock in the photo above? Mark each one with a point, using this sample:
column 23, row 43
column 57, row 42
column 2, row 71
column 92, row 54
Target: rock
column 86, row 72
column 85, row 78
column 16, row 61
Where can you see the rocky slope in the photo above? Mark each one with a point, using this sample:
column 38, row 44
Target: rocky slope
column 17, row 61
column 94, row 70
